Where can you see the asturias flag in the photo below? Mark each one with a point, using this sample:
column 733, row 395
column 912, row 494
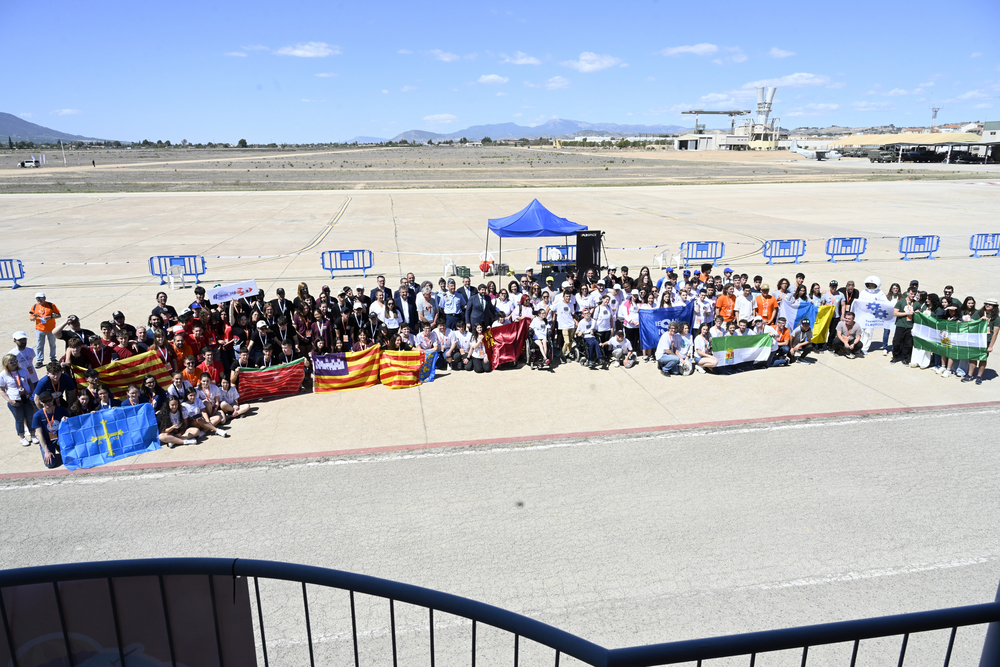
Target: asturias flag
column 951, row 339
column 345, row 370
column 653, row 322
column 281, row 380
column 506, row 343
column 730, row 350
column 96, row 438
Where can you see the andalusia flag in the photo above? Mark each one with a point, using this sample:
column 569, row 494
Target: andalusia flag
column 955, row 340
column 731, row 350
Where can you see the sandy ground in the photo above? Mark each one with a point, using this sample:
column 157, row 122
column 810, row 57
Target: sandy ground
column 89, row 254
column 175, row 170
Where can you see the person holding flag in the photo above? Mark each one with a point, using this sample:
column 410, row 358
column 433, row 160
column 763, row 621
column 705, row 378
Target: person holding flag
column 45, row 425
column 988, row 313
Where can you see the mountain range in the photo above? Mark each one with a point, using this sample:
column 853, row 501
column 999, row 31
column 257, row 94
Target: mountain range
column 19, row 129
column 557, row 127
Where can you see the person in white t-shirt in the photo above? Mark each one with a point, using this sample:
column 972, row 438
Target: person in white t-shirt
column 540, row 335
column 703, row 358
column 666, row 352
column 685, row 348
column 463, row 346
column 604, row 315
column 746, row 306
column 620, row 349
column 426, row 340
column 719, row 329
column 230, row 399
column 446, row 344
column 562, row 312
column 587, row 330
column 704, row 310
column 194, row 409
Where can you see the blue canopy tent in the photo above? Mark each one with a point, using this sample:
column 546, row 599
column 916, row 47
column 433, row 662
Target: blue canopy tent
column 532, row 221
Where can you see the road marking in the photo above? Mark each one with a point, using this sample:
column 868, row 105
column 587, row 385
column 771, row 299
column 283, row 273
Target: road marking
column 871, row 574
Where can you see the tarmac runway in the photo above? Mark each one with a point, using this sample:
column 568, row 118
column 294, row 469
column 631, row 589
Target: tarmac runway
column 622, row 540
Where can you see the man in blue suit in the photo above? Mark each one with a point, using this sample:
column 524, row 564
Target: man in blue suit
column 480, row 309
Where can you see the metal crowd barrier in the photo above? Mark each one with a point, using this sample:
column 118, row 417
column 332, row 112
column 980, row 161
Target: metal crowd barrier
column 845, row 247
column 11, row 269
column 985, row 243
column 919, row 245
column 189, row 265
column 405, row 626
column 557, row 255
column 784, row 248
column 347, row 260
column 702, row 251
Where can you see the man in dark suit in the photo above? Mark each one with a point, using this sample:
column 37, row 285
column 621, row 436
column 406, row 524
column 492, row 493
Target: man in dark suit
column 406, row 306
column 480, row 309
column 466, row 292
column 381, row 288
column 282, row 306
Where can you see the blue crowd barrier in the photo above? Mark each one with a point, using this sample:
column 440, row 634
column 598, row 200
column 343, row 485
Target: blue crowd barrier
column 784, row 248
column 909, row 245
column 557, row 255
column 11, row 269
column 845, row 247
column 194, row 266
column 985, row 243
column 702, row 251
column 348, row 260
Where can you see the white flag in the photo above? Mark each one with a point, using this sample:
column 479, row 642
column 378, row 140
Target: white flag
column 873, row 311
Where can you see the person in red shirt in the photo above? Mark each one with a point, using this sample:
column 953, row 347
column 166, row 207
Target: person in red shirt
column 725, row 305
column 767, row 305
column 210, row 365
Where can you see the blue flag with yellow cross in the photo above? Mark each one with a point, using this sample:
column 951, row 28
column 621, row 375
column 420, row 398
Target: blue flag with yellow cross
column 96, row 438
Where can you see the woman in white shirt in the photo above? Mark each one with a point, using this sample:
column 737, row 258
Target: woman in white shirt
column 540, row 335
column 604, row 315
column 16, row 387
column 503, row 304
column 703, row 358
column 628, row 314
column 685, row 348
column 229, row 397
column 477, row 343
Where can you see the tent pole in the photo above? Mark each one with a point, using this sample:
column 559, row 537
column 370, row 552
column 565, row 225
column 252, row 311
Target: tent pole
column 500, row 261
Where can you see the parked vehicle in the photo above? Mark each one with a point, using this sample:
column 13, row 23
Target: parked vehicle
column 24, row 164
column 923, row 155
column 882, row 155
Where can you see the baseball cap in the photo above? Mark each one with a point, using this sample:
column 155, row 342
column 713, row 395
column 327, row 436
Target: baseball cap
column 758, row 318
column 834, row 282
column 687, row 272
column 765, row 287
column 617, row 286
column 635, row 292
column 45, row 396
column 358, row 304
column 550, row 279
column 613, row 267
column 530, row 268
column 360, row 286
column 39, row 295
column 326, row 288
column 20, row 335
column 697, row 272
column 261, row 324
column 727, row 270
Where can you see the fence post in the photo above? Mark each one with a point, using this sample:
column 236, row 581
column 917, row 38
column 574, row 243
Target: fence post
column 991, row 645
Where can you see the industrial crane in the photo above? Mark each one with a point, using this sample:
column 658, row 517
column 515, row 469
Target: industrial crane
column 731, row 114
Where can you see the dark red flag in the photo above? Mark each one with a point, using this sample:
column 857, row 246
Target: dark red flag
column 506, row 343
column 282, row 380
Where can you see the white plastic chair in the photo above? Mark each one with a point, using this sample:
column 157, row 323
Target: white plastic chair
column 662, row 259
column 487, row 257
column 556, row 254
column 177, row 273
column 449, row 266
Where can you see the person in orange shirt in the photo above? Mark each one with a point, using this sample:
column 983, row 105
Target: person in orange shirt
column 44, row 314
column 190, row 371
column 181, row 348
column 725, row 305
column 767, row 305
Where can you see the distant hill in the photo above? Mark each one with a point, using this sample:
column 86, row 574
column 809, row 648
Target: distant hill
column 19, row 129
column 366, row 140
column 557, row 128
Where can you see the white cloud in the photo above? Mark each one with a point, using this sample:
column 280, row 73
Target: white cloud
column 520, row 58
column 592, row 62
column 501, row 94
column 493, row 79
column 235, row 54
column 816, row 109
column 775, row 52
column 872, row 106
column 895, row 92
column 385, row 91
column 444, row 56
column 926, row 85
column 309, row 50
column 65, row 112
column 716, row 97
column 703, row 49
column 739, row 58
column 518, row 115
column 326, row 75
column 25, row 114
column 977, row 54
column 792, row 81
column 440, row 118
column 650, row 78
column 984, row 105
column 972, row 95
column 404, row 52
column 839, row 84
column 406, row 89
column 255, row 47
column 557, row 83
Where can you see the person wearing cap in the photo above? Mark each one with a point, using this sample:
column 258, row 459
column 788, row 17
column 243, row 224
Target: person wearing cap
column 529, row 273
column 727, row 276
column 372, row 326
column 45, row 425
column 25, row 355
column 118, row 318
column 70, row 328
column 800, row 344
column 281, row 305
column 988, row 312
column 17, row 388
column 58, row 383
column 44, row 314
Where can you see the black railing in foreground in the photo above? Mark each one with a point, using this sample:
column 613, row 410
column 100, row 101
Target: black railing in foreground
column 562, row 643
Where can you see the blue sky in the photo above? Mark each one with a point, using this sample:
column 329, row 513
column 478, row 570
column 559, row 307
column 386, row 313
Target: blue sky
column 326, row 71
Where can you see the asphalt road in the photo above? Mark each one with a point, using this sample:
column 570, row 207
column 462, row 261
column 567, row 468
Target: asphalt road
column 622, row 541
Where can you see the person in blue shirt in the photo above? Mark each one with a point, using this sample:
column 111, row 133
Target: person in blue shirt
column 133, row 397
column 45, row 424
column 57, row 383
column 452, row 305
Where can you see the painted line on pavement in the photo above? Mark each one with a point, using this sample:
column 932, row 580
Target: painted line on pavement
column 670, row 430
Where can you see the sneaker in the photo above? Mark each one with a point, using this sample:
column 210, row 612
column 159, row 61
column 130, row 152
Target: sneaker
column 914, row 364
column 189, row 441
column 25, row 442
column 939, row 370
column 222, row 434
column 700, row 369
column 665, row 373
column 979, row 380
column 618, row 364
column 894, row 361
column 34, row 441
column 39, row 364
column 851, row 355
column 946, row 374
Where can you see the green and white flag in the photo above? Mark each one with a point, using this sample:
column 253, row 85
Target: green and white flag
column 955, row 340
column 730, row 350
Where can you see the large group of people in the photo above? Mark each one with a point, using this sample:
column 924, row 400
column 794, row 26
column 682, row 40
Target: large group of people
column 588, row 317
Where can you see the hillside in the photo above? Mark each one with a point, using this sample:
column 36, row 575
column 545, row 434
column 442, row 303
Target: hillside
column 19, row 129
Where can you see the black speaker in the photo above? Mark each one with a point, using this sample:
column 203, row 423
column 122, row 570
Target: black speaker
column 588, row 250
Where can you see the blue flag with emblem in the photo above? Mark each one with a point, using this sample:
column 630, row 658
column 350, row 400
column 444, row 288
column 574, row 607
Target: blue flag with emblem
column 795, row 312
column 104, row 436
column 429, row 368
column 653, row 322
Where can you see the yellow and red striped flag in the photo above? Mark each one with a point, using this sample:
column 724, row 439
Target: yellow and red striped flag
column 345, row 370
column 401, row 369
column 118, row 375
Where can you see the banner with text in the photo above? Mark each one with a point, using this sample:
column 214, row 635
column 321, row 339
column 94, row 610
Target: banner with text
column 223, row 293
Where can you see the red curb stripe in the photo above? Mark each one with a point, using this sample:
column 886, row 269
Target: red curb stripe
column 496, row 441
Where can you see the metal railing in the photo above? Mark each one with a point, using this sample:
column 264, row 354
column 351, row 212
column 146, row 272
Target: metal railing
column 483, row 617
column 13, row 270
